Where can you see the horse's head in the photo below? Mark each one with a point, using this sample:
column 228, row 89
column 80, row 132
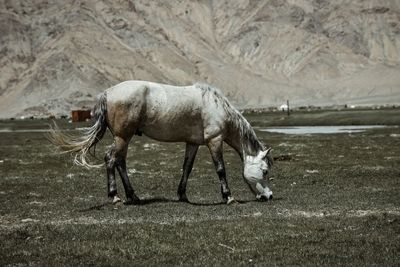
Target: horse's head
column 256, row 169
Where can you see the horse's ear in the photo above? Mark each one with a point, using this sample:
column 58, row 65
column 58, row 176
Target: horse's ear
column 264, row 154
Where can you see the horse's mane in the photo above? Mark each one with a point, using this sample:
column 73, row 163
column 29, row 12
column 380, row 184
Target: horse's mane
column 238, row 122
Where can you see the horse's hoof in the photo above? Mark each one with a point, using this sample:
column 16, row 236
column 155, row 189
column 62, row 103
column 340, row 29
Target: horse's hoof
column 116, row 199
column 265, row 198
column 231, row 200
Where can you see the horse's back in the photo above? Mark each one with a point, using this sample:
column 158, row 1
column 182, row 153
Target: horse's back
column 131, row 91
column 163, row 112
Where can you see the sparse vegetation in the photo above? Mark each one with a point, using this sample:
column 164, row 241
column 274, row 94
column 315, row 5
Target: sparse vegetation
column 336, row 202
column 387, row 116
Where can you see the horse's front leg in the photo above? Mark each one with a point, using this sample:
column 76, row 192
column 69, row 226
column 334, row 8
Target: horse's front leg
column 190, row 155
column 215, row 147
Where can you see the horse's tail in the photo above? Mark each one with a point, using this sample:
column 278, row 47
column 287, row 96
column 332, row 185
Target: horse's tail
column 89, row 138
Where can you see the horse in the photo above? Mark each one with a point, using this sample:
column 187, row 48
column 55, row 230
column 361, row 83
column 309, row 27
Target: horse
column 197, row 115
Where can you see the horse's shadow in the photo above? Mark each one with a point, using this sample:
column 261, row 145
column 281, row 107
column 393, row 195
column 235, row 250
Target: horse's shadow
column 149, row 201
column 154, row 200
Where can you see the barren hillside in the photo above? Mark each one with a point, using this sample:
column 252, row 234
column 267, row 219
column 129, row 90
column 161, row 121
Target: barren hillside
column 57, row 55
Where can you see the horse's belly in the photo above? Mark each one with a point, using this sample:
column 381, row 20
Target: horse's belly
column 175, row 132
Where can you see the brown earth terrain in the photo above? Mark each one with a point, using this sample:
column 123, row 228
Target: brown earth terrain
column 57, row 55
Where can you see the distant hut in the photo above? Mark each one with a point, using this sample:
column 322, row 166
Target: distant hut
column 283, row 107
column 80, row 115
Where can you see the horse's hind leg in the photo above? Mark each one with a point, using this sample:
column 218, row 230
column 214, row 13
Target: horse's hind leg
column 116, row 158
column 190, row 155
column 120, row 154
column 131, row 197
column 111, row 183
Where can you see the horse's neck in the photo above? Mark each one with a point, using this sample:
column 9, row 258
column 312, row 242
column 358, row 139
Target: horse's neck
column 243, row 140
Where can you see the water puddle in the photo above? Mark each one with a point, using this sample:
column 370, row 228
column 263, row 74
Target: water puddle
column 9, row 130
column 322, row 129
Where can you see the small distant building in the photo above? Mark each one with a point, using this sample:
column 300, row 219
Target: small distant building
column 80, row 115
column 283, row 107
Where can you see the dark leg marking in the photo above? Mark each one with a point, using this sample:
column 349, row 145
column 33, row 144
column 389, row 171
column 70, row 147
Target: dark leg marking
column 190, row 155
column 131, row 197
column 215, row 148
column 115, row 158
column 110, row 165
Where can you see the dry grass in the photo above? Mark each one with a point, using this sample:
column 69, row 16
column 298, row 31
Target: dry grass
column 336, row 203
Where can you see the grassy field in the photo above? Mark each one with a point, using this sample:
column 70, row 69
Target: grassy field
column 387, row 116
column 336, row 202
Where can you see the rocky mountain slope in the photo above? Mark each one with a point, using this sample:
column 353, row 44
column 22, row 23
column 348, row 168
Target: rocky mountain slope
column 57, row 55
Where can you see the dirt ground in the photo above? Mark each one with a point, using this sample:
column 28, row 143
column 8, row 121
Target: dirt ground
column 336, row 201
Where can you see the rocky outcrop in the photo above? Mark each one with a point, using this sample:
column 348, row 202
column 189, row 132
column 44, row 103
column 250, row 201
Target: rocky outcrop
column 57, row 55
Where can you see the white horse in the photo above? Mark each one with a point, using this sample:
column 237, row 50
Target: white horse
column 197, row 115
